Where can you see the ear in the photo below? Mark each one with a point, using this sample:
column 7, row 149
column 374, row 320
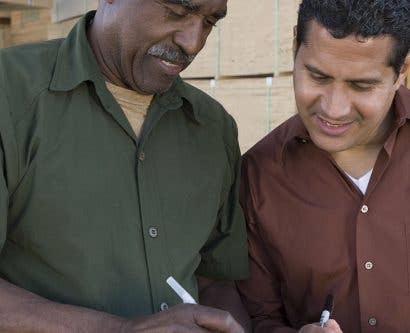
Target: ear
column 405, row 71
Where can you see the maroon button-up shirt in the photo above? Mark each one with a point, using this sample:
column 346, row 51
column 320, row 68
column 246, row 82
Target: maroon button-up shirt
column 313, row 233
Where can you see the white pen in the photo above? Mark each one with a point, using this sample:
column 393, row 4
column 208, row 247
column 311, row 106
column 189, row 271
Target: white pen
column 326, row 311
column 180, row 291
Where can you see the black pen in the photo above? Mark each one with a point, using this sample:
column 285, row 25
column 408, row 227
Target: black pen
column 327, row 310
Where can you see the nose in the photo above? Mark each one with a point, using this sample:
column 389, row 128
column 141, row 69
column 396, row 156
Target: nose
column 335, row 103
column 191, row 37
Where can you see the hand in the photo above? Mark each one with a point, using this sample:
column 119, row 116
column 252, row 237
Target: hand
column 184, row 318
column 331, row 326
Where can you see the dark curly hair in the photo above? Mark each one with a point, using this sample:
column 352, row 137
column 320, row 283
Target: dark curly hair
column 366, row 18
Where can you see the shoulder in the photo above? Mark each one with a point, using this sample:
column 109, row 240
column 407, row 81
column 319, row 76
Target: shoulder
column 36, row 60
column 207, row 107
column 211, row 113
column 27, row 70
column 270, row 149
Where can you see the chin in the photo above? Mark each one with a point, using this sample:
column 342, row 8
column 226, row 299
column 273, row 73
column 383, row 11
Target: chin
column 151, row 82
column 151, row 88
column 331, row 147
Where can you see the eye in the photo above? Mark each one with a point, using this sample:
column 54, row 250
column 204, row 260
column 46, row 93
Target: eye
column 176, row 12
column 319, row 78
column 173, row 11
column 211, row 21
column 361, row 87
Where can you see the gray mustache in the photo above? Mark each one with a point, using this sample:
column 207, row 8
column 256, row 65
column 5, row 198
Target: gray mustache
column 171, row 55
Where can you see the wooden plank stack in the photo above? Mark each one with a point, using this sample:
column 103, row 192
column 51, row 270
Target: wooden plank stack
column 23, row 21
column 67, row 10
column 248, row 66
column 239, row 47
column 24, row 4
column 257, row 104
column 61, row 29
column 4, row 28
column 65, row 15
column 28, row 26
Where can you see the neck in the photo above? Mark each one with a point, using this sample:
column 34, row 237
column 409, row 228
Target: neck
column 107, row 66
column 359, row 160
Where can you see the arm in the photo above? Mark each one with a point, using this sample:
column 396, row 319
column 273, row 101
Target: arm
column 22, row 311
column 223, row 295
column 261, row 293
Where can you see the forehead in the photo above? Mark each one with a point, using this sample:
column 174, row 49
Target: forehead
column 349, row 53
column 204, row 6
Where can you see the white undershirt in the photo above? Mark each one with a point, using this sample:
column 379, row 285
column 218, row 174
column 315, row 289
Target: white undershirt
column 362, row 182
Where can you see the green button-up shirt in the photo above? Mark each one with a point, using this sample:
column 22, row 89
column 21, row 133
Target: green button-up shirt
column 91, row 216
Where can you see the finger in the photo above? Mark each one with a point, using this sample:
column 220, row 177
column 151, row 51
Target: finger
column 333, row 326
column 216, row 320
column 181, row 328
column 312, row 328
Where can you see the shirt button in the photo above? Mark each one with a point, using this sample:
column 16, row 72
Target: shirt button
column 141, row 156
column 164, row 306
column 153, row 232
column 368, row 265
column 372, row 321
column 364, row 209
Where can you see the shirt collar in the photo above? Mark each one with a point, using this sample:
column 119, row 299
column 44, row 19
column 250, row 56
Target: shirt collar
column 401, row 108
column 76, row 63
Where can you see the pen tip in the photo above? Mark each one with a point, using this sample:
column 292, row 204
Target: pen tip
column 329, row 303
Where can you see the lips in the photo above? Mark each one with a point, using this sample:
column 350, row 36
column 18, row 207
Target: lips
column 333, row 128
column 169, row 68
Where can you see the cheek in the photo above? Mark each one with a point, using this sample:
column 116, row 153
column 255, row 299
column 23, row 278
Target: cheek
column 373, row 107
column 306, row 94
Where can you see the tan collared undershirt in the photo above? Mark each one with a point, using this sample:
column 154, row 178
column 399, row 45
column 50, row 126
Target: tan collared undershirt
column 134, row 105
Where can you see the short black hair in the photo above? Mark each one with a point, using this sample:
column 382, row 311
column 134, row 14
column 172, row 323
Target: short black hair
column 365, row 18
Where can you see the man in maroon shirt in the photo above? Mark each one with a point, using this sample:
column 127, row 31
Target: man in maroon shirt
column 327, row 194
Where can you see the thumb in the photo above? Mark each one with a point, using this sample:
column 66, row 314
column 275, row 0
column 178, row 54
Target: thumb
column 333, row 325
column 216, row 320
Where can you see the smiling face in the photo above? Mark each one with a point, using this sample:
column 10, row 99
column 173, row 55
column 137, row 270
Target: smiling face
column 152, row 41
column 344, row 89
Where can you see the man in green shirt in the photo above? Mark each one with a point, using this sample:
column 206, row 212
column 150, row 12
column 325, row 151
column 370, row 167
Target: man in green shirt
column 95, row 217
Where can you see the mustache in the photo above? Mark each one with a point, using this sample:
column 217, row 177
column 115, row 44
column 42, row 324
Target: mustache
column 171, row 55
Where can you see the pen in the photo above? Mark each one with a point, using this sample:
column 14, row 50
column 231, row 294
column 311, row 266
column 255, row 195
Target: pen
column 180, row 291
column 326, row 311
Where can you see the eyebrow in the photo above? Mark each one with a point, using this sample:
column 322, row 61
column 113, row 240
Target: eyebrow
column 370, row 80
column 187, row 4
column 191, row 7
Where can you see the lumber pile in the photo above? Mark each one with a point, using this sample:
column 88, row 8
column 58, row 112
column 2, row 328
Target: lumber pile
column 25, row 4
column 65, row 15
column 23, row 26
column 257, row 104
column 248, row 67
column 64, row 10
column 4, row 29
